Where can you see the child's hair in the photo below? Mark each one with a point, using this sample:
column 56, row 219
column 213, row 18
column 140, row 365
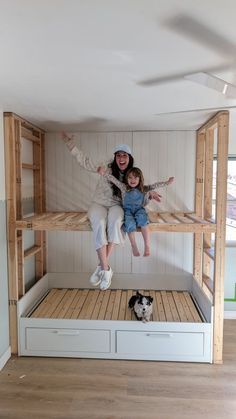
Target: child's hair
column 137, row 173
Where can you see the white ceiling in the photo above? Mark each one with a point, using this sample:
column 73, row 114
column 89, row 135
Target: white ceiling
column 82, row 64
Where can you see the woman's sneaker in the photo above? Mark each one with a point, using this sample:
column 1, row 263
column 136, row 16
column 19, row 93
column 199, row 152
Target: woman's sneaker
column 95, row 278
column 106, row 279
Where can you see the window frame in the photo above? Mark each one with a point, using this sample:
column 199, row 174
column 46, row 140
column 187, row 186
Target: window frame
column 228, row 242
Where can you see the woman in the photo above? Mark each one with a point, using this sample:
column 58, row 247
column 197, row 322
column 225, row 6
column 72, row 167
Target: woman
column 106, row 213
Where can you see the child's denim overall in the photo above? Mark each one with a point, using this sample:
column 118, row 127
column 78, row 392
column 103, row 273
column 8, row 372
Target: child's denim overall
column 134, row 213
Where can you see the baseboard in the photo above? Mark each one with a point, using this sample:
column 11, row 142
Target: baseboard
column 4, row 358
column 230, row 314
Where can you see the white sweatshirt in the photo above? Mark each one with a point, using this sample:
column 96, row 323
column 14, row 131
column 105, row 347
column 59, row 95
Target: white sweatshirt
column 104, row 192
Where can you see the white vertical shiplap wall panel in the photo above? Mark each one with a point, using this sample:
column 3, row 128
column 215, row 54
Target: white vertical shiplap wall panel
column 69, row 187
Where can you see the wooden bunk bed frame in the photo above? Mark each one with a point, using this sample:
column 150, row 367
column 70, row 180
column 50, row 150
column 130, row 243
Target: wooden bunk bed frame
column 191, row 328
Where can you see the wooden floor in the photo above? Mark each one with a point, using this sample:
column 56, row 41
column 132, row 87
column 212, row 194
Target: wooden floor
column 173, row 306
column 59, row 388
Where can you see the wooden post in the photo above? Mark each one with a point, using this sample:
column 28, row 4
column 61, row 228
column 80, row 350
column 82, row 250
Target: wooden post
column 221, row 200
column 15, row 127
column 199, row 194
column 208, row 184
column 11, row 181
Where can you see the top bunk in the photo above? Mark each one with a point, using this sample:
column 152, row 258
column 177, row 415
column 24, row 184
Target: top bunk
column 78, row 221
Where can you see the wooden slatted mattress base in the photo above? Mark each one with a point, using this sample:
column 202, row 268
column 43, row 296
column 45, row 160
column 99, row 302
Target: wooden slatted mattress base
column 168, row 306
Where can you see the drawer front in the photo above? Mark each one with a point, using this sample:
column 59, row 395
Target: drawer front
column 70, row 340
column 160, row 343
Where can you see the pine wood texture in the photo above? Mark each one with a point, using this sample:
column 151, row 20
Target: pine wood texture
column 168, row 306
column 78, row 221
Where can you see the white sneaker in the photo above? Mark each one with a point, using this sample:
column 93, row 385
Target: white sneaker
column 106, row 279
column 95, row 278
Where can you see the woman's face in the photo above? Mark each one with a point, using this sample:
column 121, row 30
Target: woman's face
column 122, row 160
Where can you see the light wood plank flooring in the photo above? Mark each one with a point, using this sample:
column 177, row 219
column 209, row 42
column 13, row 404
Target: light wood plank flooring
column 172, row 306
column 57, row 388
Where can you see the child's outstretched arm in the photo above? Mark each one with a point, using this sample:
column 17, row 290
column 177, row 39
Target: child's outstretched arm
column 102, row 171
column 158, row 185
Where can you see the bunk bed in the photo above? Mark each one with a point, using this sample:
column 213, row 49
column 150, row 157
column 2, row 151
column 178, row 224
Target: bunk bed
column 55, row 318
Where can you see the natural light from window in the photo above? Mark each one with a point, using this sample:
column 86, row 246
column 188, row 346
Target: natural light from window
column 231, row 199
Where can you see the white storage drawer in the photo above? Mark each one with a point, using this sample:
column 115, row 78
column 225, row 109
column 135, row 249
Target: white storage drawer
column 70, row 340
column 160, row 343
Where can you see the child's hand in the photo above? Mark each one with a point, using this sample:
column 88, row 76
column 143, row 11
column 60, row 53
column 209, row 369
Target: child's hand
column 170, row 180
column 155, row 195
column 101, row 170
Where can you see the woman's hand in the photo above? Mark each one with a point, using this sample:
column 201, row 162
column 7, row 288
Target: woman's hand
column 155, row 195
column 101, row 170
column 65, row 137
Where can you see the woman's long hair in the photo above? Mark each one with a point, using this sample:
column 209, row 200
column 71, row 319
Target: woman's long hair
column 115, row 171
column 137, row 173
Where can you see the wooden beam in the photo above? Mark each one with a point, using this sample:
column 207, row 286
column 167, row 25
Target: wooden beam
column 199, row 194
column 221, row 200
column 11, row 180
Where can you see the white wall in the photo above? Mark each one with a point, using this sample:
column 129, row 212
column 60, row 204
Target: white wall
column 4, row 319
column 69, row 187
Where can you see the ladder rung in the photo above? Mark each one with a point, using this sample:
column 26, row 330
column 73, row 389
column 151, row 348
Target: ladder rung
column 208, row 282
column 32, row 251
column 210, row 251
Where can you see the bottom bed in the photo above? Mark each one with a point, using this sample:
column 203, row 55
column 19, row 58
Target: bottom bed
column 72, row 322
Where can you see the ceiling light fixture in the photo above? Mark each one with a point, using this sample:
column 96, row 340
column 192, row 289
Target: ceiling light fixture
column 213, row 82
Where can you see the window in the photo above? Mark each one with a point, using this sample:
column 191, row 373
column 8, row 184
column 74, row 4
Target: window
column 231, row 199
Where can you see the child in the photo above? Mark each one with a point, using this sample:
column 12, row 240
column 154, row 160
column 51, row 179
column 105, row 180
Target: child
column 134, row 197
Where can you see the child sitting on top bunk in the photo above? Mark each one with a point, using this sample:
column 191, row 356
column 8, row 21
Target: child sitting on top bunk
column 134, row 197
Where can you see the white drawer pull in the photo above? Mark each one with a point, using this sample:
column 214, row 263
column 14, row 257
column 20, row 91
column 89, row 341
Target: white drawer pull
column 159, row 335
column 66, row 332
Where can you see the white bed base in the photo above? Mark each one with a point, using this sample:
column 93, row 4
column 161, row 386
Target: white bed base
column 115, row 339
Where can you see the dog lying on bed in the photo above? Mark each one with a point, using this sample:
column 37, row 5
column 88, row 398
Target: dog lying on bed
column 142, row 306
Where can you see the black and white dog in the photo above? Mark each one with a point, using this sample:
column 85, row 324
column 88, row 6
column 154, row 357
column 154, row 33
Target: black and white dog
column 142, row 306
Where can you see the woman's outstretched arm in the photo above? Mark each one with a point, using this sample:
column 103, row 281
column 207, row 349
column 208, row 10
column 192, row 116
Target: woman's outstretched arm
column 83, row 160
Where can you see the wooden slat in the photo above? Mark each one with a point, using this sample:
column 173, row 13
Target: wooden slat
column 128, row 314
column 28, row 166
column 43, row 307
column 123, row 302
column 64, row 304
column 174, row 312
column 103, row 308
column 113, row 305
column 192, row 307
column 210, row 251
column 98, row 305
column 166, row 305
column 116, row 305
column 155, row 315
column 78, row 221
column 79, row 305
column 110, row 306
column 90, row 303
column 208, row 282
column 32, row 251
column 168, row 218
column 180, row 309
column 73, row 305
column 160, row 307
column 186, row 309
column 27, row 134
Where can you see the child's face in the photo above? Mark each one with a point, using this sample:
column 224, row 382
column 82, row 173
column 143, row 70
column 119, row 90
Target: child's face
column 133, row 181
